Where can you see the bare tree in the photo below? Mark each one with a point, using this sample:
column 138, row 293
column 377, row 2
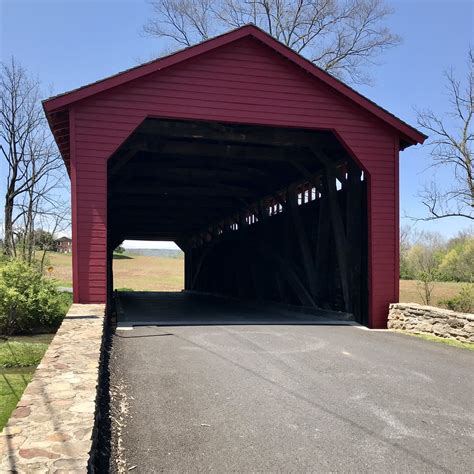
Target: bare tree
column 451, row 143
column 19, row 118
column 341, row 36
column 422, row 258
column 35, row 168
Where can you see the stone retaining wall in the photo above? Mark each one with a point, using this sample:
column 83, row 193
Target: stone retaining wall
column 429, row 320
column 52, row 427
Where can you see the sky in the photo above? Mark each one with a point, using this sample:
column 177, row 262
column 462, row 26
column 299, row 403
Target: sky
column 69, row 43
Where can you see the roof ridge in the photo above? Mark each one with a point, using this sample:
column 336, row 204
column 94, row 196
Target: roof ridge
column 59, row 101
column 147, row 63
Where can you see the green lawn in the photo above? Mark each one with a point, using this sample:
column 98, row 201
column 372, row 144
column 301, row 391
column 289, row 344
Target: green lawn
column 12, row 386
column 21, row 354
column 137, row 272
column 444, row 340
column 19, row 357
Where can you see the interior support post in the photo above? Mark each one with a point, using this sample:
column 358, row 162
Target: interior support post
column 354, row 206
column 302, row 238
column 339, row 235
column 322, row 243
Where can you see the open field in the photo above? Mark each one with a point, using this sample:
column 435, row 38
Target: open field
column 443, row 290
column 149, row 273
column 166, row 274
column 134, row 272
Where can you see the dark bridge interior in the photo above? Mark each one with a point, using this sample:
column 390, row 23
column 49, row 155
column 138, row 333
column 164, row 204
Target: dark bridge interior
column 261, row 212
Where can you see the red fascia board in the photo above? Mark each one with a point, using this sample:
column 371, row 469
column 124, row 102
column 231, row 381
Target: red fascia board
column 409, row 133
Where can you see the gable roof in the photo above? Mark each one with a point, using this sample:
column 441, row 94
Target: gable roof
column 61, row 101
column 64, row 239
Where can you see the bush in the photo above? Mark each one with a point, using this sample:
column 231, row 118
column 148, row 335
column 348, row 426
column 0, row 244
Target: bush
column 463, row 302
column 28, row 300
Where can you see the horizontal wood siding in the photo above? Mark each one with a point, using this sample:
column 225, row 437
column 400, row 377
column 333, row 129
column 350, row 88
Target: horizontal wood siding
column 243, row 82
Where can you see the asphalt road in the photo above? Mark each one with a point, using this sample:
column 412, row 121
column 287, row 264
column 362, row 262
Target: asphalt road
column 232, row 395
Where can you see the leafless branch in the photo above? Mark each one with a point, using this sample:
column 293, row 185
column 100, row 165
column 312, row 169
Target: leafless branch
column 343, row 37
column 451, row 147
column 35, row 168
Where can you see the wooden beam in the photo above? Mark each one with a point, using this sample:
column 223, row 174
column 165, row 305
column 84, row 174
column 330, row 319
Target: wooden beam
column 354, row 219
column 293, row 280
column 178, row 221
column 120, row 161
column 303, row 243
column 217, row 149
column 124, row 208
column 153, row 235
column 173, row 202
column 323, row 236
column 248, row 134
column 156, row 190
column 339, row 237
column 195, row 175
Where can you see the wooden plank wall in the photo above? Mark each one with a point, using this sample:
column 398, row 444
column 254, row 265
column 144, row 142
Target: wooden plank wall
column 289, row 254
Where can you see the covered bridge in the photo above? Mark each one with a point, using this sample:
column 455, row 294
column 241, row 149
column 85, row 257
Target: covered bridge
column 278, row 181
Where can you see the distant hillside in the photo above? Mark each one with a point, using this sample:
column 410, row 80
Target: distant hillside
column 169, row 253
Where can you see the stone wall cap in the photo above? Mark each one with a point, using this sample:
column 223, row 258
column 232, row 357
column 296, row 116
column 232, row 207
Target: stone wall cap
column 53, row 423
column 431, row 309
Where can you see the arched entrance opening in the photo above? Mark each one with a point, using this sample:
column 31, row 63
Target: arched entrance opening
column 261, row 213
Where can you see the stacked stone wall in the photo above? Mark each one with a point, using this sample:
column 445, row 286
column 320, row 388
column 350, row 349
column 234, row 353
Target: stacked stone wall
column 52, row 427
column 429, row 320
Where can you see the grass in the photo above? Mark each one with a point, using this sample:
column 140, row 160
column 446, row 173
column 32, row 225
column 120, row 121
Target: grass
column 21, row 354
column 140, row 273
column 66, row 302
column 167, row 274
column 149, row 273
column 19, row 357
column 450, row 342
column 59, row 267
column 12, row 386
column 443, row 290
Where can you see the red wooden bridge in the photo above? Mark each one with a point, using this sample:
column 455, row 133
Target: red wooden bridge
column 278, row 181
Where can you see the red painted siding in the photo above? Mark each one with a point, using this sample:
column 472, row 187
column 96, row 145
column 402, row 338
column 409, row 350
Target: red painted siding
column 244, row 82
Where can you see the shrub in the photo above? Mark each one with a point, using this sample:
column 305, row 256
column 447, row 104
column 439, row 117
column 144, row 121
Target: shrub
column 463, row 302
column 28, row 300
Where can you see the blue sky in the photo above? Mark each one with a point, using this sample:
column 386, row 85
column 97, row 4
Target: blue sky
column 68, row 43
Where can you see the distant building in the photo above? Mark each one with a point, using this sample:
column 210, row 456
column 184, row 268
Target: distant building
column 63, row 245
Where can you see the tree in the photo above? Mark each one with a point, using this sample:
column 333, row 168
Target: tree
column 44, row 240
column 407, row 236
column 423, row 258
column 19, row 117
column 341, row 36
column 35, row 168
column 458, row 262
column 451, row 146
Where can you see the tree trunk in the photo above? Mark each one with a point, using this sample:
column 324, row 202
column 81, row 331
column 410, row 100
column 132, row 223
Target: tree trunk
column 8, row 244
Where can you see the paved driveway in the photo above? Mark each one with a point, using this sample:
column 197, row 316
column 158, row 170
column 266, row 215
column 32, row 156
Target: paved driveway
column 231, row 395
